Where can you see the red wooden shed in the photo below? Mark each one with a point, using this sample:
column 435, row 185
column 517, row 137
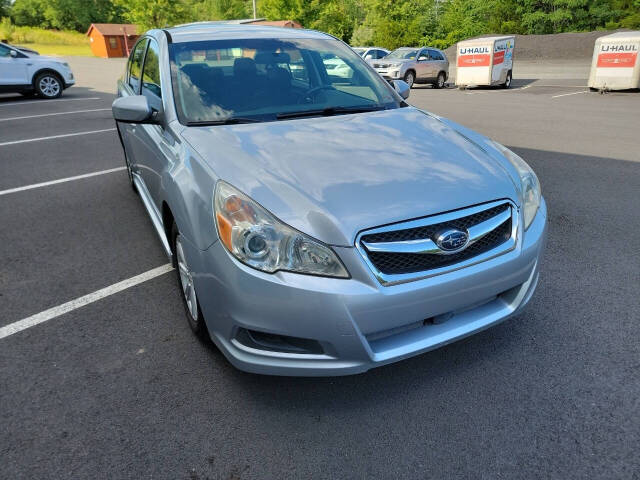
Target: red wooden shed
column 112, row 39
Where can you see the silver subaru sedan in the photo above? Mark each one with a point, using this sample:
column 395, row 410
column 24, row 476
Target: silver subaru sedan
column 319, row 224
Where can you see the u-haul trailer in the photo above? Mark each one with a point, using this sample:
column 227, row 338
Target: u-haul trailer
column 615, row 64
column 485, row 61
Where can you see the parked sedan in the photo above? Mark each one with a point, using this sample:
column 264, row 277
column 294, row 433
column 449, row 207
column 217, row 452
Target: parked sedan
column 415, row 65
column 320, row 225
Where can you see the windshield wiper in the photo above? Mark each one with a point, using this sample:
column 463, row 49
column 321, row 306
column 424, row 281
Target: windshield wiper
column 327, row 112
column 226, row 121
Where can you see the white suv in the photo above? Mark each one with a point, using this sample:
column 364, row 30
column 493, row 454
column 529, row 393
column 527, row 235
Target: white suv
column 28, row 73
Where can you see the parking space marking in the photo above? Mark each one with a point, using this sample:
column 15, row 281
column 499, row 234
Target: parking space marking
column 60, row 180
column 567, row 94
column 55, row 113
column 14, row 142
column 54, row 312
column 38, row 102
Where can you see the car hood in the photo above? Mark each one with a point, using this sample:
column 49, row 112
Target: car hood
column 332, row 177
column 45, row 58
column 395, row 61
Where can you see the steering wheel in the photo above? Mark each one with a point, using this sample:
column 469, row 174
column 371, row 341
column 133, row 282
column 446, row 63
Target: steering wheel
column 307, row 95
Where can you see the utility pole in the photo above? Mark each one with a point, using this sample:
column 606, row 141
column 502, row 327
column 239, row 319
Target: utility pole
column 254, row 10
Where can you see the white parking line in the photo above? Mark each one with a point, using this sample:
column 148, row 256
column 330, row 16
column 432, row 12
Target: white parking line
column 38, row 102
column 60, row 180
column 567, row 94
column 54, row 312
column 14, row 142
column 56, row 113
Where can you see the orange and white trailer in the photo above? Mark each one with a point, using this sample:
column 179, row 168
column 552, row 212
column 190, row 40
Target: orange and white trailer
column 485, row 61
column 615, row 64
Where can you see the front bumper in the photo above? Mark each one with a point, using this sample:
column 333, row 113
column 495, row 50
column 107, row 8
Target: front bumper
column 390, row 74
column 359, row 323
column 68, row 78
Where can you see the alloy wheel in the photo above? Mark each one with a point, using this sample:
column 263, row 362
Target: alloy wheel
column 49, row 86
column 186, row 280
column 409, row 79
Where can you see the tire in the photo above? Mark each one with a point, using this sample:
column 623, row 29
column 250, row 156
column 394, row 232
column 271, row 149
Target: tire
column 129, row 173
column 507, row 82
column 48, row 85
column 410, row 78
column 126, row 161
column 186, row 287
column 440, row 81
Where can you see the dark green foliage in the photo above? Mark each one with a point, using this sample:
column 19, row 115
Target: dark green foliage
column 387, row 23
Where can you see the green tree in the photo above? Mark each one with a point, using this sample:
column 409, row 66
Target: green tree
column 29, row 13
column 5, row 8
column 153, row 13
column 220, row 9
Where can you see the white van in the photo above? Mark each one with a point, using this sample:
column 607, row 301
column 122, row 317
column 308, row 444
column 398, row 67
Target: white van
column 615, row 64
column 485, row 61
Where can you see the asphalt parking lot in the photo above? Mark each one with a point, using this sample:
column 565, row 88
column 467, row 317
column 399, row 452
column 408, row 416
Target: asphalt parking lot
column 120, row 388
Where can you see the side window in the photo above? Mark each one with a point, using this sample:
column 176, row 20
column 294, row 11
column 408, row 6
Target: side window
column 136, row 65
column 423, row 55
column 434, row 55
column 4, row 51
column 151, row 76
column 382, row 54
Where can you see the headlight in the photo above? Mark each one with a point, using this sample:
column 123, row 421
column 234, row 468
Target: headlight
column 531, row 192
column 260, row 240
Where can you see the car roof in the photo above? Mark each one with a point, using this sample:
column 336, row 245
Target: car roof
column 221, row 31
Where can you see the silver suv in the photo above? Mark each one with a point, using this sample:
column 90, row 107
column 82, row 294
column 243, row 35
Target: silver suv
column 415, row 65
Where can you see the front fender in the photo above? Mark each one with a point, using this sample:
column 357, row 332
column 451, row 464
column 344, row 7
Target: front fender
column 188, row 187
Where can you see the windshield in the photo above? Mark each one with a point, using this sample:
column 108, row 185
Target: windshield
column 270, row 79
column 404, row 53
column 360, row 51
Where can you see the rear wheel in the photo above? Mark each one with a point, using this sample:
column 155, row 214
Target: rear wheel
column 410, row 78
column 48, row 85
column 507, row 81
column 439, row 83
column 187, row 286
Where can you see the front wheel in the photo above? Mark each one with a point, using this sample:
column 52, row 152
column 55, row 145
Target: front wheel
column 186, row 285
column 410, row 78
column 439, row 81
column 48, row 85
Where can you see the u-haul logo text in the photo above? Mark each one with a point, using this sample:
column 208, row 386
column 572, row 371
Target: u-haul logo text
column 473, row 50
column 618, row 48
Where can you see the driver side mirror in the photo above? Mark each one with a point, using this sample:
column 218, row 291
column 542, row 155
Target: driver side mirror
column 423, row 58
column 134, row 109
column 402, row 88
column 368, row 56
column 13, row 54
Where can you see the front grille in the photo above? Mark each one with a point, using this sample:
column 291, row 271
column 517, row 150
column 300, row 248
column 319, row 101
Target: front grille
column 390, row 262
column 428, row 231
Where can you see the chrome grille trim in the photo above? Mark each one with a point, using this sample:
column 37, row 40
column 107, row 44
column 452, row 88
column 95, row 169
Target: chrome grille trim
column 427, row 246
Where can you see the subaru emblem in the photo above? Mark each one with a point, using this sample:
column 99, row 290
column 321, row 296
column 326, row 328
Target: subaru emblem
column 452, row 240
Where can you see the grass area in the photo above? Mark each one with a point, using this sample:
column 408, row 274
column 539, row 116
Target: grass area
column 44, row 49
column 48, row 42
